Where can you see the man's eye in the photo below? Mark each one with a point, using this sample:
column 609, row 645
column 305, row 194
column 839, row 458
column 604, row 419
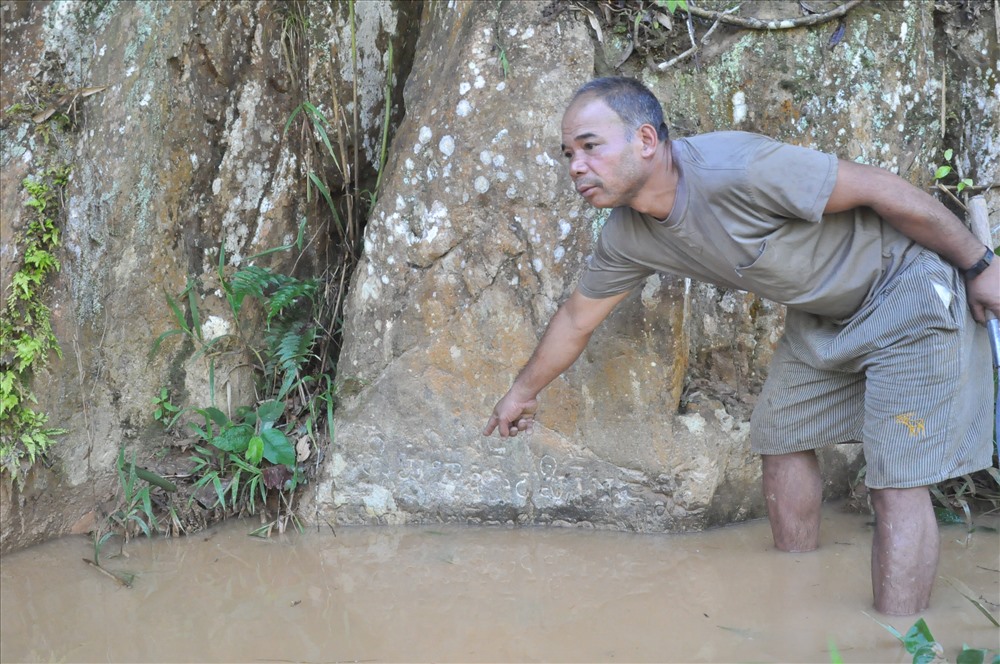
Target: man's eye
column 589, row 146
column 568, row 155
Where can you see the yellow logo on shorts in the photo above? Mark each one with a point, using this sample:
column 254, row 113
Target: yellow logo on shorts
column 911, row 422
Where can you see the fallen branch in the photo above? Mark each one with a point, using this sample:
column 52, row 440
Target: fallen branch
column 127, row 584
column 663, row 66
column 953, row 196
column 774, row 24
column 974, row 188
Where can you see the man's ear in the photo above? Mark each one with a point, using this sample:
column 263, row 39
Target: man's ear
column 650, row 139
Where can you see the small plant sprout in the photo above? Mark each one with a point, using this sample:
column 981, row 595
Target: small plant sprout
column 944, row 170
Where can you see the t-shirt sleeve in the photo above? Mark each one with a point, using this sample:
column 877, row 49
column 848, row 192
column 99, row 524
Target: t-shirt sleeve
column 791, row 181
column 608, row 272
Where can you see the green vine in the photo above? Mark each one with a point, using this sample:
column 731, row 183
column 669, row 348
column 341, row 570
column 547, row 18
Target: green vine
column 26, row 336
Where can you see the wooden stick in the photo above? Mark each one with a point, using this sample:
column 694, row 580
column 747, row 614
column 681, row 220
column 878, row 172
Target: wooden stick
column 951, row 195
column 778, row 24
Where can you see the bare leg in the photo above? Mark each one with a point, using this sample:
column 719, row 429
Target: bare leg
column 904, row 550
column 793, row 492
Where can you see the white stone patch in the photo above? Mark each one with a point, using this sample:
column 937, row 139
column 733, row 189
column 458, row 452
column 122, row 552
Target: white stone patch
column 400, row 203
column 215, row 327
column 216, row 186
column 528, row 34
column 519, row 174
column 498, row 160
column 371, row 289
column 559, row 253
column 485, row 156
column 409, row 164
column 649, row 291
column 425, row 134
column 564, row 228
column 903, row 28
column 502, row 134
column 695, row 423
column 435, row 217
column 482, row 185
column 455, row 352
column 379, row 501
column 739, row 107
column 537, row 264
column 480, row 82
column 463, row 108
column 193, row 157
column 512, row 192
column 545, row 160
column 464, row 87
column 447, row 145
column 501, row 86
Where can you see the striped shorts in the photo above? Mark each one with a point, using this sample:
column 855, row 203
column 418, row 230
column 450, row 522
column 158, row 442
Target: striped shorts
column 909, row 376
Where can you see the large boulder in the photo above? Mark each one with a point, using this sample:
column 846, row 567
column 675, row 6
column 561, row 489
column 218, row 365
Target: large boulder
column 479, row 236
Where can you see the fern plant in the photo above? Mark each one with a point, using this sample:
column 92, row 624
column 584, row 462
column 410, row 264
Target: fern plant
column 26, row 335
column 245, row 457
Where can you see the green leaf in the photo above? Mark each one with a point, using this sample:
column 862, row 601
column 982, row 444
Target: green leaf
column 925, row 655
column 277, row 448
column 918, row 637
column 947, row 154
column 255, row 450
column 269, row 412
column 941, row 172
column 159, row 341
column 215, row 415
column 971, row 656
column 234, row 439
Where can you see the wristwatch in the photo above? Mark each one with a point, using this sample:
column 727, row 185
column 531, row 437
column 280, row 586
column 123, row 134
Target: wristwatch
column 979, row 266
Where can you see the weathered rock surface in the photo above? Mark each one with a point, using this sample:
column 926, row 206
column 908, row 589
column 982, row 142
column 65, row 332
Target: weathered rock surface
column 480, row 236
column 183, row 152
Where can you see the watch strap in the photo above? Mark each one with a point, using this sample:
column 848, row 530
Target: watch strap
column 979, row 266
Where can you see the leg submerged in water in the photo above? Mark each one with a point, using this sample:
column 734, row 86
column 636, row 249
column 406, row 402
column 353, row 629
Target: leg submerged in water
column 905, row 550
column 793, row 492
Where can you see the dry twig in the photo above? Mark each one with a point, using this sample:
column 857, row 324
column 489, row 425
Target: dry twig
column 775, row 24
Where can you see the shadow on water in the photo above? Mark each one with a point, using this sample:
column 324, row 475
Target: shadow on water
column 473, row 594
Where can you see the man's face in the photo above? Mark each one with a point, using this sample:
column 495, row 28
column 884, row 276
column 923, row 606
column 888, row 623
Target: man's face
column 605, row 166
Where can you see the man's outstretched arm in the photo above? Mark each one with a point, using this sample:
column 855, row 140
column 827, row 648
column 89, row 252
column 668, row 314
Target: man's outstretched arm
column 565, row 338
column 922, row 218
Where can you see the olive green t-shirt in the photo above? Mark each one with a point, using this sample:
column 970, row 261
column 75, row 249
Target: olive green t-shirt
column 748, row 214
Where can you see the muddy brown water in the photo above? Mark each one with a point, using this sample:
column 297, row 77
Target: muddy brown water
column 467, row 594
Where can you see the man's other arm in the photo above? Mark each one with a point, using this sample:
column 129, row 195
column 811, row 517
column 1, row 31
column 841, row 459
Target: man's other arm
column 565, row 338
column 922, row 218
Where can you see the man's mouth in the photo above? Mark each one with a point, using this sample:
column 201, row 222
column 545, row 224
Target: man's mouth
column 584, row 189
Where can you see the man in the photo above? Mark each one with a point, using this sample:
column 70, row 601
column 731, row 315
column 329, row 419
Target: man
column 878, row 278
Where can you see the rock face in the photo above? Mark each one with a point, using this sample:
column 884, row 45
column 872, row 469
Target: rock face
column 476, row 238
column 182, row 153
column 480, row 236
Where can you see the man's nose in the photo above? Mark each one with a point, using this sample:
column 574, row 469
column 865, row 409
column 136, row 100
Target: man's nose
column 577, row 166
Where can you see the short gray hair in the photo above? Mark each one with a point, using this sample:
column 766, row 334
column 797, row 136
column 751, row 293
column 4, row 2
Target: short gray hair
column 630, row 99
